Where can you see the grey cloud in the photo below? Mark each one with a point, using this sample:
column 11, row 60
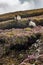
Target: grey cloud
column 4, row 5
column 11, row 5
column 37, row 3
column 22, row 1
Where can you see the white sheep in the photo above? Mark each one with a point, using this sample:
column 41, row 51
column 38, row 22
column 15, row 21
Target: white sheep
column 32, row 24
column 18, row 17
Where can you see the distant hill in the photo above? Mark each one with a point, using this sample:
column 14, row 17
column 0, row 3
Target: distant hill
column 23, row 14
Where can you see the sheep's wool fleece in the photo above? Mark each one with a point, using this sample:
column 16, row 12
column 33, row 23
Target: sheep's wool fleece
column 31, row 23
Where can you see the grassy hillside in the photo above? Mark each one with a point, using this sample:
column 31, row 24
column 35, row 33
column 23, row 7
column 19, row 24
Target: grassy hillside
column 23, row 14
column 7, row 20
column 20, row 43
column 22, row 24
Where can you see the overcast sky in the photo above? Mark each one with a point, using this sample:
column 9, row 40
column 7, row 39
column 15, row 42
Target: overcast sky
column 17, row 5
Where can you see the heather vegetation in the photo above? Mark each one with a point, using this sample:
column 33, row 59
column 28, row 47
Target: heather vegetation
column 19, row 24
column 21, row 38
